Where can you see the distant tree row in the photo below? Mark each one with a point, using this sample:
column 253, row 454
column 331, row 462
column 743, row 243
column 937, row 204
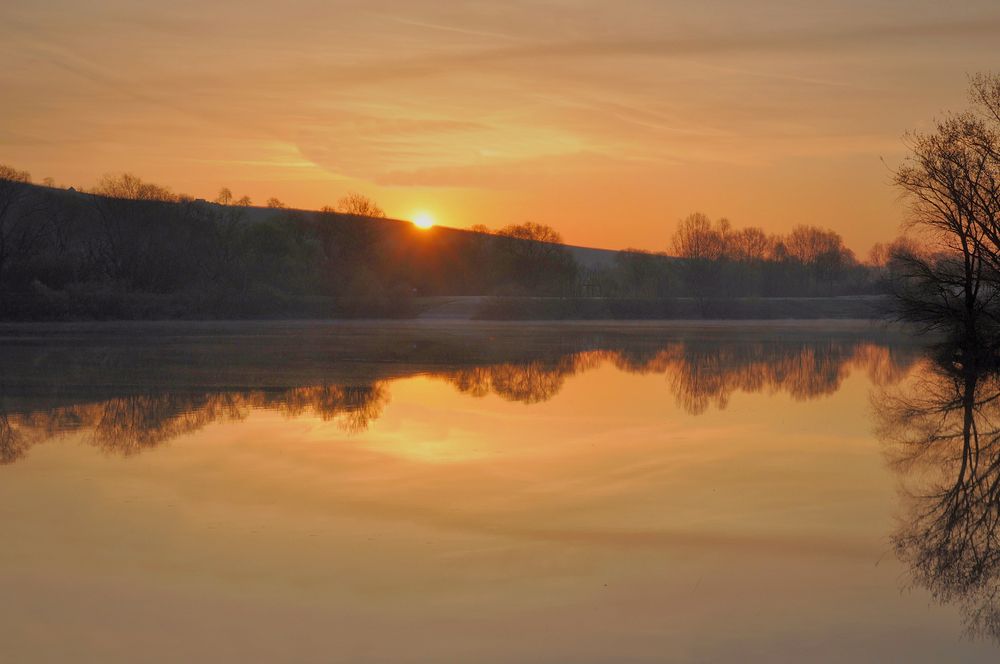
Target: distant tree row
column 809, row 261
column 714, row 260
column 698, row 238
column 527, row 258
column 132, row 248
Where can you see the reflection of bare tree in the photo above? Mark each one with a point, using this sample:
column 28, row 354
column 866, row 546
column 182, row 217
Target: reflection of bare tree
column 130, row 424
column 13, row 442
column 885, row 365
column 943, row 434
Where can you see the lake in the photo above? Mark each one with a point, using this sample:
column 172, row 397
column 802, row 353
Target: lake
column 444, row 492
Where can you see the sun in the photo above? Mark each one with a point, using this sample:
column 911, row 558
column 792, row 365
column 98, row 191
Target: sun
column 423, row 220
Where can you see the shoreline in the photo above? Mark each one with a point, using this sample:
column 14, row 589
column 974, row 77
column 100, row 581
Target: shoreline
column 223, row 325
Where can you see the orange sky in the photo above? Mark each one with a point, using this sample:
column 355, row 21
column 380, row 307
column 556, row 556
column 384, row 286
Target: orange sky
column 606, row 120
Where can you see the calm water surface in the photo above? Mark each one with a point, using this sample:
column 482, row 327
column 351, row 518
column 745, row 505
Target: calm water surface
column 485, row 493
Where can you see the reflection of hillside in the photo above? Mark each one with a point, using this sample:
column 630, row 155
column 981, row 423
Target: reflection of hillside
column 943, row 436
column 130, row 424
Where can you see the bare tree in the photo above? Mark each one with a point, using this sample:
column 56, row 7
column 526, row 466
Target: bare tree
column 130, row 187
column 748, row 244
column 701, row 244
column 697, row 238
column 534, row 256
column 821, row 252
column 359, row 205
column 952, row 180
column 225, row 197
column 985, row 92
column 13, row 443
column 132, row 215
column 809, row 244
column 533, row 232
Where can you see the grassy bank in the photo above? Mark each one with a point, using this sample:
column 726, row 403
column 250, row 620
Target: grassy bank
column 95, row 304
column 109, row 303
column 526, row 308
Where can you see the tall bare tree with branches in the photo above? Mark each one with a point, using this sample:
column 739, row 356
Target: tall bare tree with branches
column 952, row 181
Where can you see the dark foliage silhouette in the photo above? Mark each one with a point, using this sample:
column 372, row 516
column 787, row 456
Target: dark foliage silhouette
column 131, row 399
column 943, row 436
column 133, row 249
column 949, row 282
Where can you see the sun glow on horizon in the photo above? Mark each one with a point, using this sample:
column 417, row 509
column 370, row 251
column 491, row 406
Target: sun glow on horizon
column 622, row 125
column 423, row 220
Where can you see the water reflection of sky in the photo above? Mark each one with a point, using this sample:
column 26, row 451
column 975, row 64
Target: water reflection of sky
column 719, row 500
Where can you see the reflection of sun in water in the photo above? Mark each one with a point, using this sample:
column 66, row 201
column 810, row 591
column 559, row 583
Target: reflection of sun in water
column 423, row 220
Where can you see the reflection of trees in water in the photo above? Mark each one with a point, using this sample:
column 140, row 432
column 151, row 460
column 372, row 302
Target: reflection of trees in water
column 706, row 376
column 700, row 374
column 127, row 425
column 14, row 442
column 131, row 424
column 354, row 406
column 942, row 432
column 530, row 382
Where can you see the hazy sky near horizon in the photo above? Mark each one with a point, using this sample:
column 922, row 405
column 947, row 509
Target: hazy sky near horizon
column 607, row 120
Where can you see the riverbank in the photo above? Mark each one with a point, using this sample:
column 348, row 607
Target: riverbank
column 108, row 306
column 802, row 308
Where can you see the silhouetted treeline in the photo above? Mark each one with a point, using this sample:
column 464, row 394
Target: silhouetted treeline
column 132, row 249
column 717, row 271
column 942, row 433
column 711, row 261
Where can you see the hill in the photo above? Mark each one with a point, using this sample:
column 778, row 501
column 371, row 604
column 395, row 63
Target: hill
column 65, row 253
column 588, row 258
column 145, row 253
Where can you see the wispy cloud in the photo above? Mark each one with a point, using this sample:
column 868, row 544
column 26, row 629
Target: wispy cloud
column 439, row 27
column 789, row 40
column 525, row 96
